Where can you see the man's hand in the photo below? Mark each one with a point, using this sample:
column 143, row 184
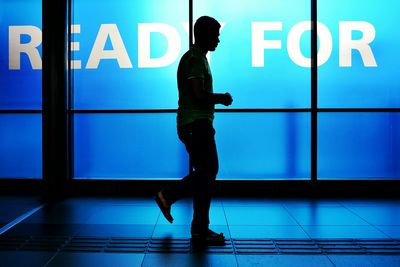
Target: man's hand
column 197, row 85
column 226, row 99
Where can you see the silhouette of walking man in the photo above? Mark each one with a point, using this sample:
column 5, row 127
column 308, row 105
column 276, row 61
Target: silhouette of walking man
column 195, row 130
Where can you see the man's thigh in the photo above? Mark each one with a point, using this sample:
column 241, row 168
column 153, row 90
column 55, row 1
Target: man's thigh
column 202, row 149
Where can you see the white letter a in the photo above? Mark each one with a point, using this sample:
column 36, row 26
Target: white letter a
column 119, row 52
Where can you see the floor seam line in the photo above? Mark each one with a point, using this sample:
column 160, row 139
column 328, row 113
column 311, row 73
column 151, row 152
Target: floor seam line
column 370, row 224
column 298, row 223
column 19, row 219
column 230, row 234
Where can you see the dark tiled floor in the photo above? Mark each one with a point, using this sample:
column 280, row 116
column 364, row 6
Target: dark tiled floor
column 13, row 207
column 121, row 219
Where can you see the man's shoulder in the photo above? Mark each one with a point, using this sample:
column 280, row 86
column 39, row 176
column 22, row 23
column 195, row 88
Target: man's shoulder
column 191, row 61
column 192, row 56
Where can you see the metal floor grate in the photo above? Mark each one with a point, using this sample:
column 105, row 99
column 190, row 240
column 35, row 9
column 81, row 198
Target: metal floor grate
column 237, row 246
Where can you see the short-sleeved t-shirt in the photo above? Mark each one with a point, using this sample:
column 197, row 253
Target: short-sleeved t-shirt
column 193, row 64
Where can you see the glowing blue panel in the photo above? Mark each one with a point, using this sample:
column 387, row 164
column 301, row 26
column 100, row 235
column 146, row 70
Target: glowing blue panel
column 245, row 62
column 20, row 146
column 257, row 146
column 359, row 146
column 134, row 146
column 20, row 54
column 128, row 146
column 367, row 74
column 126, row 52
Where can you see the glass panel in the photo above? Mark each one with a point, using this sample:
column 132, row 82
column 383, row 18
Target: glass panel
column 132, row 146
column 20, row 54
column 128, row 146
column 264, row 51
column 256, row 146
column 359, row 145
column 362, row 70
column 126, row 52
column 20, row 146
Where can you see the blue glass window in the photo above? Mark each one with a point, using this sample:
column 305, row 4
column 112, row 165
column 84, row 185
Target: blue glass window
column 363, row 68
column 128, row 146
column 246, row 62
column 251, row 146
column 20, row 146
column 20, row 54
column 359, row 145
column 257, row 146
column 126, row 53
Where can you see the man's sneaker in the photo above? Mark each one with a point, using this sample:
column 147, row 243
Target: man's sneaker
column 164, row 206
column 209, row 238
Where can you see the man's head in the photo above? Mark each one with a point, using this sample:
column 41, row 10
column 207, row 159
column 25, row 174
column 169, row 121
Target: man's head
column 206, row 33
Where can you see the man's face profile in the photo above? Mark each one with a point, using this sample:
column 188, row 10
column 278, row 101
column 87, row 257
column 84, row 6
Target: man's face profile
column 213, row 40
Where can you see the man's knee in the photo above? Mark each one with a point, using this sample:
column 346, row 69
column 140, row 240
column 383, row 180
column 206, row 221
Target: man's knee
column 211, row 174
column 208, row 173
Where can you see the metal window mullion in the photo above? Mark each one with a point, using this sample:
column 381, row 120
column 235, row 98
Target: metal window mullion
column 54, row 98
column 314, row 92
column 190, row 23
column 70, row 121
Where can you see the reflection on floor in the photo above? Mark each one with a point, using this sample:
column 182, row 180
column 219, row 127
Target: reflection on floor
column 260, row 232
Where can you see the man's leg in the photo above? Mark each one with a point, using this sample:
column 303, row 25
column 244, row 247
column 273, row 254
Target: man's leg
column 198, row 138
column 205, row 168
column 184, row 187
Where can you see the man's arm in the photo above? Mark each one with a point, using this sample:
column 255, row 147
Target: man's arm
column 197, row 85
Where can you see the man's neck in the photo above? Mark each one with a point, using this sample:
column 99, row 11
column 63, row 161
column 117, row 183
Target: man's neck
column 203, row 50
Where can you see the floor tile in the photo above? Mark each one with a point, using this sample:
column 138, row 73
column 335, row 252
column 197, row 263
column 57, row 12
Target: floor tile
column 379, row 215
column 258, row 216
column 325, row 216
column 268, row 232
column 61, row 214
column 251, row 202
column 183, row 216
column 171, row 231
column 10, row 212
column 247, row 218
column 110, row 201
column 391, row 231
column 183, row 231
column 69, row 259
column 188, row 201
column 124, row 215
column 369, row 202
column 311, row 203
column 39, row 229
column 284, row 260
column 365, row 260
column 136, row 201
column 189, row 260
column 116, row 230
column 12, row 208
column 24, row 258
column 343, row 232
